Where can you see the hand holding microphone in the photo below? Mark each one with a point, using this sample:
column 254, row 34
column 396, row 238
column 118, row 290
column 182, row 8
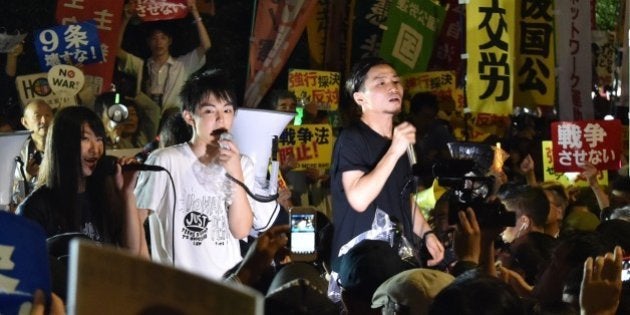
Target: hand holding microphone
column 407, row 132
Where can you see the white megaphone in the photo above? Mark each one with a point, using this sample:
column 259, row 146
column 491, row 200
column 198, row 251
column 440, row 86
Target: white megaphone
column 11, row 144
column 253, row 132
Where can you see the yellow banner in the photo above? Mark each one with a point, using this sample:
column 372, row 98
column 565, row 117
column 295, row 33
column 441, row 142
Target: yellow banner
column 441, row 83
column 310, row 145
column 321, row 87
column 535, row 67
column 569, row 178
column 490, row 33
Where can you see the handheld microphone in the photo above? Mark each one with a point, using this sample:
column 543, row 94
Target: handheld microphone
column 411, row 155
column 109, row 164
column 223, row 137
column 147, row 149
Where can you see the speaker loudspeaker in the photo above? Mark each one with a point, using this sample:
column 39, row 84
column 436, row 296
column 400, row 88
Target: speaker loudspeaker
column 253, row 131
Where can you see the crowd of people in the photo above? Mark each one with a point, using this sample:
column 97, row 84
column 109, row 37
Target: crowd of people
column 525, row 247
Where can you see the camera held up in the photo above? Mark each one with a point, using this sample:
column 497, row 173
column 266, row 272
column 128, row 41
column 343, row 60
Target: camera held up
column 469, row 189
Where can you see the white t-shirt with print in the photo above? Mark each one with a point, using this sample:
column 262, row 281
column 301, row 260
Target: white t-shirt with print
column 203, row 243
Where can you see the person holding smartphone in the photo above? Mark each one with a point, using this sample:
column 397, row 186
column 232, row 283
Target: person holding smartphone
column 370, row 168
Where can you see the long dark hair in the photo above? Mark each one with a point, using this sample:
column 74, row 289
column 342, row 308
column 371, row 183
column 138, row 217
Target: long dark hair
column 61, row 170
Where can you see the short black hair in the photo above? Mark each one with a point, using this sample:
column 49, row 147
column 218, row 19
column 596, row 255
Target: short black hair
column 355, row 81
column 197, row 87
column 159, row 26
column 532, row 202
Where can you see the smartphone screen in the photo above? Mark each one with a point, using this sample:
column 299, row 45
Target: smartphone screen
column 303, row 233
column 625, row 269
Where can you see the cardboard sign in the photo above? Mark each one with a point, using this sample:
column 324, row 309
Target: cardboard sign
column 68, row 44
column 35, row 86
column 132, row 285
column 65, row 79
column 156, row 10
column 594, row 141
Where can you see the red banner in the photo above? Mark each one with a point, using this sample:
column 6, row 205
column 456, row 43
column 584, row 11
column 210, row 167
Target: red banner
column 278, row 27
column 107, row 14
column 157, row 10
column 594, row 141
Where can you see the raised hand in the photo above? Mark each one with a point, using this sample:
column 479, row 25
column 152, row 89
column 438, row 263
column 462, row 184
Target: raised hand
column 601, row 284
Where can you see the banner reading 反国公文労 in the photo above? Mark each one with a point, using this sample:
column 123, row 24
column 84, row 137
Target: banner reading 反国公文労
column 490, row 44
column 535, row 68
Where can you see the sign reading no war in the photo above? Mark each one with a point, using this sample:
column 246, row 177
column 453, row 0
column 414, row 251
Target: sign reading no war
column 65, row 79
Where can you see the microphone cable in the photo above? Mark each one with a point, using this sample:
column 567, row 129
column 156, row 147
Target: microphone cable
column 263, row 199
column 258, row 198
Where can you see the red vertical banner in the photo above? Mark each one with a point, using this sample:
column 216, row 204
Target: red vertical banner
column 450, row 43
column 107, row 15
column 594, row 141
column 277, row 28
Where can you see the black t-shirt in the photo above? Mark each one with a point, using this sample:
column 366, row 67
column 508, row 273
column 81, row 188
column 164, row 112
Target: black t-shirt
column 39, row 206
column 361, row 148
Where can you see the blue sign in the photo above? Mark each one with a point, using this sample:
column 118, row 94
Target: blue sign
column 23, row 262
column 73, row 44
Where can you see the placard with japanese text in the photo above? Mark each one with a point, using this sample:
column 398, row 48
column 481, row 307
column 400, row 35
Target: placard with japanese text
column 310, row 145
column 73, row 44
column 157, row 10
column 321, row 87
column 594, row 141
column 107, row 15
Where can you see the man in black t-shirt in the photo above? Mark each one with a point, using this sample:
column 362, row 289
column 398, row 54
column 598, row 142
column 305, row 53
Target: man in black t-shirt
column 370, row 167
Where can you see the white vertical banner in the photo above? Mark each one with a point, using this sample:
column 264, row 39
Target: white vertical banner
column 573, row 43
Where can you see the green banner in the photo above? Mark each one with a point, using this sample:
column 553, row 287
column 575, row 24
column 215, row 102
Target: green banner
column 412, row 27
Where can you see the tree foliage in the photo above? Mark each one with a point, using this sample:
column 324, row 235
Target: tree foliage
column 607, row 14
